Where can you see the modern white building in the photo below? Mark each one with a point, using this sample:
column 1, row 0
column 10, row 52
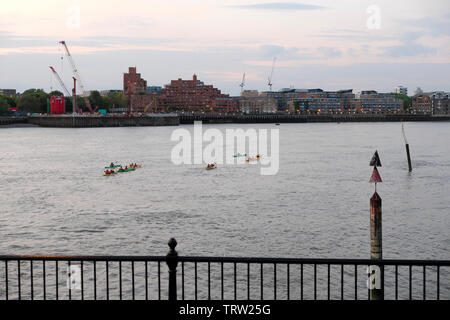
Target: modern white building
column 401, row 90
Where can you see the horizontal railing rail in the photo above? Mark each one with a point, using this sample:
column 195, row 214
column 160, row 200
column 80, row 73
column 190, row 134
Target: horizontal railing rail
column 43, row 277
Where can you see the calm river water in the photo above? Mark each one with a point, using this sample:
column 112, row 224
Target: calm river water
column 55, row 200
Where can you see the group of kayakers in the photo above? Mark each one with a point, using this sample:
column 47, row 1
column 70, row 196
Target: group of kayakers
column 111, row 169
column 213, row 165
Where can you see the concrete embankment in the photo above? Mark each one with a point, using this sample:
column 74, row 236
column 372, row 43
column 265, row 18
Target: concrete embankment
column 13, row 121
column 89, row 122
column 287, row 118
column 175, row 120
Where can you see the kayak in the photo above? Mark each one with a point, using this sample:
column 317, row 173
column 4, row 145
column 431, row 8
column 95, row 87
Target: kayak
column 117, row 166
column 129, row 169
column 210, row 168
column 109, row 174
column 240, row 155
column 252, row 159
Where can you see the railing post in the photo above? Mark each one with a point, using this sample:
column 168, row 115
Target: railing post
column 172, row 262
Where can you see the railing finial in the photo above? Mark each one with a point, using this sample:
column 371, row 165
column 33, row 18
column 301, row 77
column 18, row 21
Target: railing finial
column 172, row 244
column 172, row 262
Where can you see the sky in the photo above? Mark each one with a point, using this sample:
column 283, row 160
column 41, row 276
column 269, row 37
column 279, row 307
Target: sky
column 329, row 44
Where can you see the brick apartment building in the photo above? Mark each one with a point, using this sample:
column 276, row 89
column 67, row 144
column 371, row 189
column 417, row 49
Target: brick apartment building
column 140, row 99
column 421, row 104
column 194, row 96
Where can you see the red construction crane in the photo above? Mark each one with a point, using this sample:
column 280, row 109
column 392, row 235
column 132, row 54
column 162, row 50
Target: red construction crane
column 61, row 83
column 77, row 75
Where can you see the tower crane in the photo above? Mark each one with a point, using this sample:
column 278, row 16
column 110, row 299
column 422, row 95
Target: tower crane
column 242, row 83
column 61, row 83
column 271, row 75
column 76, row 75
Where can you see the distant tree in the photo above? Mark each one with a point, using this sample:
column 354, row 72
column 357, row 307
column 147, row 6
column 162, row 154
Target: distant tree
column 33, row 100
column 56, row 93
column 97, row 100
column 4, row 106
column 12, row 101
column 115, row 100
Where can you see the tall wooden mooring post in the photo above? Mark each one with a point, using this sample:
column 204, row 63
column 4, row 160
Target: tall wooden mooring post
column 376, row 272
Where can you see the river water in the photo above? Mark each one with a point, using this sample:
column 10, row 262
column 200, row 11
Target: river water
column 55, row 200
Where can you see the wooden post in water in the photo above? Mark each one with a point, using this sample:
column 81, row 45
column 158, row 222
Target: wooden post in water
column 407, row 148
column 376, row 272
column 409, row 157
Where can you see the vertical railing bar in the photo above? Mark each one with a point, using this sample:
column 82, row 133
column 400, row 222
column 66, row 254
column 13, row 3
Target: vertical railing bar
column 235, row 284
column 95, row 280
column 195, row 279
column 262, row 282
column 328, row 281
column 315, row 281
column 107, row 280
column 70, row 281
column 82, row 280
column 57, row 282
column 396, row 282
column 159, row 280
column 132, row 278
column 31, row 279
column 437, row 275
column 356, row 282
column 146, row 280
column 6, row 280
column 248, row 281
column 221, row 280
column 44, row 280
column 288, row 281
column 368, row 289
column 301, row 281
column 120, row 279
column 274, row 281
column 410, row 282
column 209, row 280
column 342, row 281
column 182, row 280
column 18, row 280
column 424, row 283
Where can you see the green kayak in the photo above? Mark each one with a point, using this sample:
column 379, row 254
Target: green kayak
column 240, row 155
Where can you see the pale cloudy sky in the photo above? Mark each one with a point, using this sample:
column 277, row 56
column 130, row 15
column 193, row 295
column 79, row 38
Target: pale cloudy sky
column 328, row 44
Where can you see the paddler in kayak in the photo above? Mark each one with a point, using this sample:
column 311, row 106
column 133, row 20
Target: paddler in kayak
column 112, row 165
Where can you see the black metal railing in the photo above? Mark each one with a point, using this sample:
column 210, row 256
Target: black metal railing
column 216, row 278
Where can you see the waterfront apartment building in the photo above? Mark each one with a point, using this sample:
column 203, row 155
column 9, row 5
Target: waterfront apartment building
column 258, row 104
column 194, row 96
column 421, row 104
column 317, row 101
column 374, row 102
column 440, row 102
column 134, row 82
column 141, row 98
